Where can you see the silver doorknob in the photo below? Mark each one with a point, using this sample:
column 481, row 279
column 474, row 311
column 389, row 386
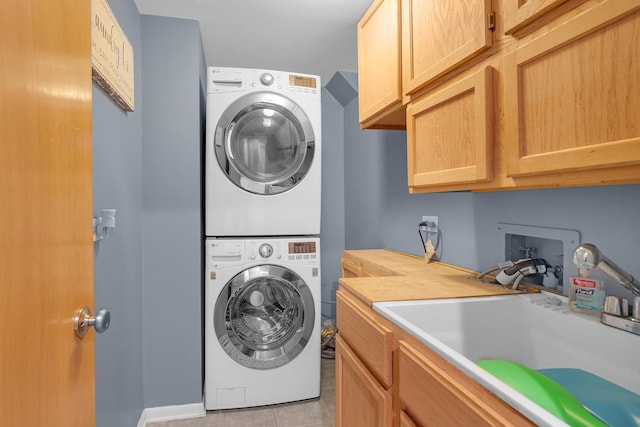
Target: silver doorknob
column 83, row 320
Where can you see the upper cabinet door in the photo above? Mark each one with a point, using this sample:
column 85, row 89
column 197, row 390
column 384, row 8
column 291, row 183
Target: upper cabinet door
column 439, row 35
column 450, row 134
column 571, row 95
column 379, row 66
column 518, row 13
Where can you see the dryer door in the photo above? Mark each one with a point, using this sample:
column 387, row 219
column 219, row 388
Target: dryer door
column 264, row 316
column 264, row 143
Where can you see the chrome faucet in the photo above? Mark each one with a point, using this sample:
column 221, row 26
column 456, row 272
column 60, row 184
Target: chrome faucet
column 588, row 257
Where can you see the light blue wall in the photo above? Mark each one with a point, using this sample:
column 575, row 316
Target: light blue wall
column 381, row 213
column 332, row 218
column 146, row 164
column 117, row 183
column 172, row 67
column 605, row 216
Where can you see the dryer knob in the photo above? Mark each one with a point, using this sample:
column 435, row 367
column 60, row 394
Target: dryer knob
column 266, row 79
column 265, row 250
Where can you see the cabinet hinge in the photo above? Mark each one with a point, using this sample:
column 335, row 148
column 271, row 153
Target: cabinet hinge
column 491, row 20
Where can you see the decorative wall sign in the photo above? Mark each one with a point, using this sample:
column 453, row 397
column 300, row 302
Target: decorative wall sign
column 111, row 56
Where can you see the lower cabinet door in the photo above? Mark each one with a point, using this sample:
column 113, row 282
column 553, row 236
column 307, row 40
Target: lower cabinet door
column 360, row 400
column 436, row 394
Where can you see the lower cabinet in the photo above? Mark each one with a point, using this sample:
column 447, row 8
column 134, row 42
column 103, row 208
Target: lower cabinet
column 434, row 393
column 385, row 378
column 360, row 400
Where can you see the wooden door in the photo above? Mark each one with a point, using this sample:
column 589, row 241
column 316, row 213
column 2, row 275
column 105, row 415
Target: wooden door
column 360, row 400
column 438, row 36
column 436, row 393
column 450, row 134
column 379, row 67
column 571, row 99
column 46, row 250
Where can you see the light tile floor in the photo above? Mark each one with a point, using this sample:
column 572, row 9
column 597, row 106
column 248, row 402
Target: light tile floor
column 307, row 413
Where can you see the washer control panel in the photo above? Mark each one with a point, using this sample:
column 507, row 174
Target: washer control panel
column 221, row 252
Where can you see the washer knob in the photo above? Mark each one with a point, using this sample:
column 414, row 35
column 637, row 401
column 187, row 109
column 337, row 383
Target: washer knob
column 266, row 79
column 265, row 250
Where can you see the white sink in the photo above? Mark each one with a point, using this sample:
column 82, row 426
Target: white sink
column 535, row 330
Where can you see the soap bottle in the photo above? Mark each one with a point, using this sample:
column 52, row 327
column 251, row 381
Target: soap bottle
column 586, row 294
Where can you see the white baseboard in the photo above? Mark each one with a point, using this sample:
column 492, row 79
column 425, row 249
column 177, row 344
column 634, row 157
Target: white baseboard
column 170, row 413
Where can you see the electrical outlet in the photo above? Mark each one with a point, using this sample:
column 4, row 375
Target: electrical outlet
column 433, row 219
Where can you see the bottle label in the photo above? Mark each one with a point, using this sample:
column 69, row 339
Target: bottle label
column 584, row 283
column 586, row 294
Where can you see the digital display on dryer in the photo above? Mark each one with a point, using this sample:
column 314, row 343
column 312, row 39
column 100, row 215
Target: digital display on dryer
column 302, row 247
column 302, row 81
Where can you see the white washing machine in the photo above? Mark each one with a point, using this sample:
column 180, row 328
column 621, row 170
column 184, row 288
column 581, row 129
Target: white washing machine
column 263, row 170
column 262, row 314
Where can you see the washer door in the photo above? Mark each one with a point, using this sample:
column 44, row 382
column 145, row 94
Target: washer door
column 264, row 143
column 263, row 317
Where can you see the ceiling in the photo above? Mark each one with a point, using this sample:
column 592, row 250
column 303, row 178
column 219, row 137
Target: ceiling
column 307, row 36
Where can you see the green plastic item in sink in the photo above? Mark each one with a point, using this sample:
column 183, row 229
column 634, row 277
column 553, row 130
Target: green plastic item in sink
column 543, row 391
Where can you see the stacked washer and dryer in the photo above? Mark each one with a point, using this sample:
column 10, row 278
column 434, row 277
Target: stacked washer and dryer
column 262, row 247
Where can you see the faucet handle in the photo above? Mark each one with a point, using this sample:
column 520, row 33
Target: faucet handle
column 635, row 309
column 612, row 305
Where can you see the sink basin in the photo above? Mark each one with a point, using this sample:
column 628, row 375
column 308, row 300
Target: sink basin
column 536, row 330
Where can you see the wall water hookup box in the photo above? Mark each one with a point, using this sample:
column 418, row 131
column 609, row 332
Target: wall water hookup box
column 555, row 245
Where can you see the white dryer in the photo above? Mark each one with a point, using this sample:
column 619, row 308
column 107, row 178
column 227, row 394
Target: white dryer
column 262, row 330
column 263, row 144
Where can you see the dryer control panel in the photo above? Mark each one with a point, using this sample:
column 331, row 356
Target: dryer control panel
column 225, row 79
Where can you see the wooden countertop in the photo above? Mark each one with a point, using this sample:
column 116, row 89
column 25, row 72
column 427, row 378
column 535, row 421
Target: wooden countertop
column 412, row 278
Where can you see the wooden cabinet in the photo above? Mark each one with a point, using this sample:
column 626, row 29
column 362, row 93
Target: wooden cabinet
column 438, row 36
column 434, row 393
column 363, row 367
column 379, row 67
column 386, row 377
column 371, row 339
column 404, row 45
column 450, row 133
column 571, row 95
column 560, row 108
column 360, row 400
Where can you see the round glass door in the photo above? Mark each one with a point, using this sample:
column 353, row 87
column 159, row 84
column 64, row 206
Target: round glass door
column 264, row 143
column 264, row 317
